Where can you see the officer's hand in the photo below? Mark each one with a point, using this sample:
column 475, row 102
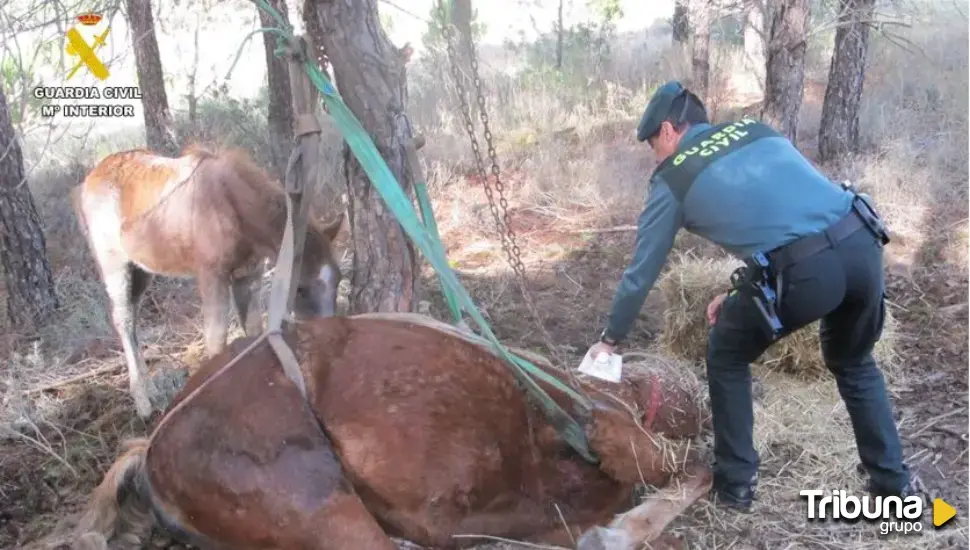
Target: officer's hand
column 714, row 308
column 600, row 347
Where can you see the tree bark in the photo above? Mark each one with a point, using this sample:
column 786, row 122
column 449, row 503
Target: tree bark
column 785, row 67
column 754, row 38
column 312, row 25
column 701, row 15
column 680, row 22
column 159, row 130
column 461, row 18
column 370, row 74
column 559, row 37
column 31, row 296
column 839, row 129
column 279, row 118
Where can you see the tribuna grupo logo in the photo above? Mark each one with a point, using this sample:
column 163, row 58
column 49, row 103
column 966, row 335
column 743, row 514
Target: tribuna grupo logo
column 894, row 514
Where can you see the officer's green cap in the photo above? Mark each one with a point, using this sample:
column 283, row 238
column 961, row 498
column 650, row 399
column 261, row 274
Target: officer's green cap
column 658, row 108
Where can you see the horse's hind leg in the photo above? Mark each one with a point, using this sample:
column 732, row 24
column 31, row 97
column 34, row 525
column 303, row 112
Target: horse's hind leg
column 343, row 522
column 125, row 283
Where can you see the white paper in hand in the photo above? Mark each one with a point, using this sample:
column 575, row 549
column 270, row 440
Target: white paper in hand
column 607, row 367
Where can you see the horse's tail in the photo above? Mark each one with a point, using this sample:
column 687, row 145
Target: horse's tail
column 121, row 506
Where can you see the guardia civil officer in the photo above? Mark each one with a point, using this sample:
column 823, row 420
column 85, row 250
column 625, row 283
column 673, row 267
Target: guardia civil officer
column 747, row 189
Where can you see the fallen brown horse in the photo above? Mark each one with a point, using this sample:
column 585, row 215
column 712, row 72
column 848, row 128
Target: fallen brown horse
column 422, row 435
column 210, row 216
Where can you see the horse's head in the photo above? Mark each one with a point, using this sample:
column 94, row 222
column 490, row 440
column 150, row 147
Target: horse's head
column 316, row 293
column 643, row 427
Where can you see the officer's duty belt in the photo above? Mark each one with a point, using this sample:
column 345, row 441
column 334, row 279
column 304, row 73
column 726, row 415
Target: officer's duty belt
column 806, row 246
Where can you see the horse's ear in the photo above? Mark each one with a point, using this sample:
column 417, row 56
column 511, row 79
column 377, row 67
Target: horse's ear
column 332, row 229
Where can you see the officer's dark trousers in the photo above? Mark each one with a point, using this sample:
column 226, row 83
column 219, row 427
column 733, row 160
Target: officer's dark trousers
column 844, row 288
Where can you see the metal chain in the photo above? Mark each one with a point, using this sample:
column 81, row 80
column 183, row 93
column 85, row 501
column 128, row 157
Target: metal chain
column 512, row 250
column 507, row 235
column 483, row 114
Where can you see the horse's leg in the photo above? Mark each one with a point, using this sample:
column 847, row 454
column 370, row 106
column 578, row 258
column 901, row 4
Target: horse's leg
column 242, row 296
column 214, row 289
column 124, row 284
column 343, row 522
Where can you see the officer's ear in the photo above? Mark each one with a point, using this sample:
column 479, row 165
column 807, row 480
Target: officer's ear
column 665, row 133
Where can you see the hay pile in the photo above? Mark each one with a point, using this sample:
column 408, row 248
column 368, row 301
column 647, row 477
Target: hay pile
column 689, row 286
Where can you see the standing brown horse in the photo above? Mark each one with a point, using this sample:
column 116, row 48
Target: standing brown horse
column 413, row 430
column 210, row 216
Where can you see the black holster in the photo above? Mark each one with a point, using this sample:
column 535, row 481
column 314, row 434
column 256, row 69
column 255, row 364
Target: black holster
column 755, row 281
column 862, row 205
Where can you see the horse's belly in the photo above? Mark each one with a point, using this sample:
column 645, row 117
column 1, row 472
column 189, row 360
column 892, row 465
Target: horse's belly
column 427, row 439
column 423, row 473
column 437, row 439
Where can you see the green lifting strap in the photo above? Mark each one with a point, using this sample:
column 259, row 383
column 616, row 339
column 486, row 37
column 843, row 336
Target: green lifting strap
column 427, row 214
column 401, row 206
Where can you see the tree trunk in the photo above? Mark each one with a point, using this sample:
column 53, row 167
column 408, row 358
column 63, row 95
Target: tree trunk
column 785, row 67
column 31, row 296
column 701, row 15
column 159, row 130
column 280, row 111
column 680, row 22
column 559, row 37
column 754, row 38
column 370, row 74
column 839, row 130
column 192, row 97
column 313, row 30
column 461, row 18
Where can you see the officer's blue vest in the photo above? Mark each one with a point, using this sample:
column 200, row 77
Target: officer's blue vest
column 680, row 170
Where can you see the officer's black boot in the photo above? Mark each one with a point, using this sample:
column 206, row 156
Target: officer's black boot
column 912, row 488
column 739, row 497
